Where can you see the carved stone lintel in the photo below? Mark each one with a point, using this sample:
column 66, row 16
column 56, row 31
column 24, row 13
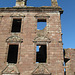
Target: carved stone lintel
column 43, row 15
column 10, row 69
column 41, row 40
column 17, row 15
column 14, row 39
column 41, row 70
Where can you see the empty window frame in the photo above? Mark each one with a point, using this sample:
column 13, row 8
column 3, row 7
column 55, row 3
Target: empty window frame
column 16, row 25
column 41, row 24
column 12, row 54
column 41, row 54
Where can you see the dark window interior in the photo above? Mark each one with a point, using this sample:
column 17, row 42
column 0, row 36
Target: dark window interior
column 41, row 54
column 12, row 54
column 64, row 72
column 41, row 24
column 16, row 25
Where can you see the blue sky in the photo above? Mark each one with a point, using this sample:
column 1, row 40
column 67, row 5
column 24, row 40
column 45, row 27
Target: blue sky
column 67, row 18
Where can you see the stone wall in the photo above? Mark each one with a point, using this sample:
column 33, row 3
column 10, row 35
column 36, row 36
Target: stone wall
column 26, row 62
column 70, row 64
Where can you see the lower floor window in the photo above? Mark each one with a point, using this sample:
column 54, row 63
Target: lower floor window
column 12, row 54
column 41, row 54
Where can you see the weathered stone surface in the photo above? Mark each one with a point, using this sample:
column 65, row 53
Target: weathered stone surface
column 41, row 69
column 10, row 69
column 54, row 3
column 21, row 3
column 70, row 61
column 14, row 39
column 26, row 38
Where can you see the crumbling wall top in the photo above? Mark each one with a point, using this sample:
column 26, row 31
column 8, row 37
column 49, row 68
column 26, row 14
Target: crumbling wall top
column 69, row 53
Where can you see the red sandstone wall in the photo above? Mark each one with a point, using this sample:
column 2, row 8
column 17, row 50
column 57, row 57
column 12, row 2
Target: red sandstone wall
column 70, row 65
column 26, row 59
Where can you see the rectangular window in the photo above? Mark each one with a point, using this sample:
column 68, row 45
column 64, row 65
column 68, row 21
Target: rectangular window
column 16, row 25
column 12, row 54
column 41, row 54
column 41, row 24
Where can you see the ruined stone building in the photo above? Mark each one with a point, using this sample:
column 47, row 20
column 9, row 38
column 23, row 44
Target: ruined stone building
column 20, row 38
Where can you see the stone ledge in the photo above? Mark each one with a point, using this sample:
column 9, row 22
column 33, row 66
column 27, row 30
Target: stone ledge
column 43, row 8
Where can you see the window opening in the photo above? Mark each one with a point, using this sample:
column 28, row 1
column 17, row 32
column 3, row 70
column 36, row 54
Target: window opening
column 41, row 54
column 12, row 54
column 16, row 25
column 41, row 24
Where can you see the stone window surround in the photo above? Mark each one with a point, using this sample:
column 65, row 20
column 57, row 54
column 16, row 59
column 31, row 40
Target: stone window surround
column 40, row 43
column 42, row 16
column 19, row 51
column 22, row 23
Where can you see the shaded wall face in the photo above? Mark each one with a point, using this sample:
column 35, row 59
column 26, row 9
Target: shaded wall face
column 70, row 54
column 26, row 61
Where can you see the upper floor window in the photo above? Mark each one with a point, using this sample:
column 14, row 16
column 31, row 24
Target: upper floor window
column 16, row 25
column 41, row 24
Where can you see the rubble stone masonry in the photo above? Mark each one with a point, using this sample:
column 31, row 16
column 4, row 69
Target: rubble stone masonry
column 29, row 37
